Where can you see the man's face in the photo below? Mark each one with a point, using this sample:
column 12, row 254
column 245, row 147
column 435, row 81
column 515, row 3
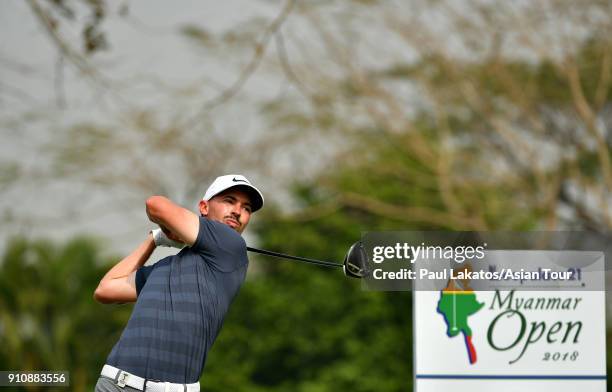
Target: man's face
column 232, row 207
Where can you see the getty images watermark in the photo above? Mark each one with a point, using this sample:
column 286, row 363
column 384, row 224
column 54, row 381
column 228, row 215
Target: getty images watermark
column 485, row 260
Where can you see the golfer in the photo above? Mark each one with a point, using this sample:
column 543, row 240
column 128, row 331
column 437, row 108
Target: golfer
column 181, row 300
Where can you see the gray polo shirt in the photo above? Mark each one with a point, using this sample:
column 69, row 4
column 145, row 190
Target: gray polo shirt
column 182, row 301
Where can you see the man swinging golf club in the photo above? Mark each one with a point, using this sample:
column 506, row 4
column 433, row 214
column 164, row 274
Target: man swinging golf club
column 181, row 300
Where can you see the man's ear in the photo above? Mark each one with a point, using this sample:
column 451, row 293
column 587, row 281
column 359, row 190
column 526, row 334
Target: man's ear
column 203, row 206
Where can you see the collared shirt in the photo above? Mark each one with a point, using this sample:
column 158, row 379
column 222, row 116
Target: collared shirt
column 182, row 301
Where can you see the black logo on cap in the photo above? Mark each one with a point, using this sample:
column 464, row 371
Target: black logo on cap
column 238, row 180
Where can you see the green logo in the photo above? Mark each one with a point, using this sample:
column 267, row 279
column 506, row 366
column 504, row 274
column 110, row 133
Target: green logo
column 457, row 303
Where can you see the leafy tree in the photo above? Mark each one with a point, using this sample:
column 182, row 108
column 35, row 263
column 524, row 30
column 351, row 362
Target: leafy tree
column 48, row 318
column 493, row 124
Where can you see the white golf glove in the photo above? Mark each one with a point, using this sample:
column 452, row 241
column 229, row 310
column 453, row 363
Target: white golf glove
column 161, row 239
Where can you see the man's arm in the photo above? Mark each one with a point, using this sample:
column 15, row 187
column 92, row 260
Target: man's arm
column 118, row 285
column 177, row 222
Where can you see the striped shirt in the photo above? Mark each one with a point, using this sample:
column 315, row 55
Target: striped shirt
column 182, row 301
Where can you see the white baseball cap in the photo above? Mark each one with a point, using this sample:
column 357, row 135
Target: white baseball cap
column 222, row 183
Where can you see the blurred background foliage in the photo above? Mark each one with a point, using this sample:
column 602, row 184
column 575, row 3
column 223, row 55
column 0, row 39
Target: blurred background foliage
column 48, row 319
column 495, row 117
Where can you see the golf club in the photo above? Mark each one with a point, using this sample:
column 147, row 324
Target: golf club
column 354, row 265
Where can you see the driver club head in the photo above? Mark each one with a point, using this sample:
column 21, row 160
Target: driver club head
column 356, row 261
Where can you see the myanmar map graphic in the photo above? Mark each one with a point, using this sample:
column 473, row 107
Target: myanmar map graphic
column 457, row 303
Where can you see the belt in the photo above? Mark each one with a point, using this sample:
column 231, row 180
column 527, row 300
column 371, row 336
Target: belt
column 123, row 378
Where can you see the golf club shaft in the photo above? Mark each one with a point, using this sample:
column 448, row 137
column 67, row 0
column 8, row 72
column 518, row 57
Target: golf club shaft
column 302, row 259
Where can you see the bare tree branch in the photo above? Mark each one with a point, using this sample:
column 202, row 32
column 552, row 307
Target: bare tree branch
column 260, row 50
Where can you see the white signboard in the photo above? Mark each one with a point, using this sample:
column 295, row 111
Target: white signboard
column 514, row 338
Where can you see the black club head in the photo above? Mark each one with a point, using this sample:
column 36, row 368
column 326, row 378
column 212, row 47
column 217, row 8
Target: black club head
column 356, row 261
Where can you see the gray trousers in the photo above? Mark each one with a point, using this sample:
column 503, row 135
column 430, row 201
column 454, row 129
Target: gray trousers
column 106, row 384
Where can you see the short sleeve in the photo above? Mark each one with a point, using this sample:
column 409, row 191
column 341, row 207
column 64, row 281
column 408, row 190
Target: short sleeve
column 142, row 274
column 220, row 245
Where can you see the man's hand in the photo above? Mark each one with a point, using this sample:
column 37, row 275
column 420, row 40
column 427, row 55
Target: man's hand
column 164, row 237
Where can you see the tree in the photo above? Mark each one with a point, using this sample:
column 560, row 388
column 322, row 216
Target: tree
column 48, row 318
column 484, row 96
column 503, row 109
column 486, row 137
column 118, row 135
